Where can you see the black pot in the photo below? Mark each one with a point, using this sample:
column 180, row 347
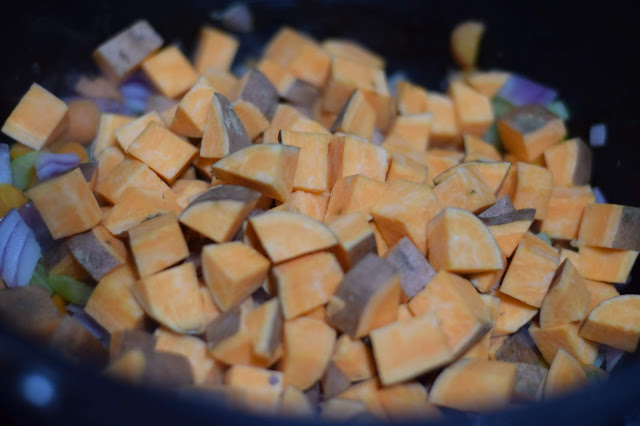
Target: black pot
column 586, row 52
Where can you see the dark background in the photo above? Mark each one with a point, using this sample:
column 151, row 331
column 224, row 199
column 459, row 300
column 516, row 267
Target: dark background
column 588, row 52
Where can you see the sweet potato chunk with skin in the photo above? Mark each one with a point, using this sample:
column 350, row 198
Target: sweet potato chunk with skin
column 265, row 325
column 473, row 109
column 403, row 210
column 191, row 115
column 29, row 311
column 232, row 271
column 311, row 65
column 280, row 235
column 474, row 385
column 565, row 375
column 216, row 49
column 123, row 53
column 615, row 322
column 125, row 340
column 487, row 282
column 531, row 271
column 444, row 127
column 353, row 358
column 66, row 203
column 357, row 117
column 476, row 149
column 493, row 173
column 407, row 349
column 38, row 119
column 403, row 167
column 58, row 260
column 253, row 121
column 465, row 43
column 599, row 293
column 261, row 387
column 334, row 382
column 447, row 293
column 415, row 270
column 98, row 251
column 153, row 368
column 306, row 282
column 367, row 298
column 170, row 72
column 267, row 168
column 172, row 298
column 309, row 204
column 351, row 155
column 465, row 189
column 569, row 163
column 414, row 129
column 128, row 132
column 482, row 347
column 608, row 265
column 508, row 229
column 512, row 315
column 312, row 169
column 567, row 299
column 308, row 345
column 219, row 212
column 293, row 402
column 460, row 242
column 529, row 130
column 157, row 244
column 529, row 382
column 610, row 226
column 533, row 189
column 223, row 132
column 257, row 90
column 351, row 194
column 565, row 336
column 518, row 347
column 188, row 190
column 565, row 212
column 407, row 401
column 224, row 81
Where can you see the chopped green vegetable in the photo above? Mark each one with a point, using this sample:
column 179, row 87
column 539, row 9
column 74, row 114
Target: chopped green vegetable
column 73, row 291
column 40, row 277
column 560, row 109
column 21, row 169
column 544, row 237
column 500, row 106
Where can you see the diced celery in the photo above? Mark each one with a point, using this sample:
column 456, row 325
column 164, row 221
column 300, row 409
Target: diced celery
column 500, row 106
column 22, row 169
column 73, row 291
column 40, row 276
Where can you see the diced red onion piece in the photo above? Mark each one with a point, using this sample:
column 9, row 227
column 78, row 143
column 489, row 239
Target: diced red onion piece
column 31, row 216
column 5, row 164
column 85, row 319
column 28, row 260
column 7, row 225
column 51, row 165
column 521, row 91
column 611, row 357
column 20, row 252
column 598, row 135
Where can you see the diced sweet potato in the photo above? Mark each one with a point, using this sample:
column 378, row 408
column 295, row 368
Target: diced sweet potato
column 128, row 132
column 407, row 349
column 306, row 282
column 170, row 72
column 415, row 270
column 106, row 137
column 357, row 117
column 464, row 188
column 310, row 204
column 460, row 242
column 261, row 387
column 351, row 50
column 444, row 127
column 187, row 190
column 125, row 340
column 295, row 403
column 98, row 251
column 29, row 311
column 172, row 298
column 615, row 322
column 493, row 173
column 257, row 90
column 66, row 204
column 414, row 129
column 232, row 271
column 482, row 347
column 354, row 358
column 351, row 155
column 123, row 53
column 407, row 401
column 312, row 170
column 267, row 168
column 488, row 82
column 509, row 184
column 447, row 293
column 403, row 210
column 473, row 109
column 339, row 409
column 610, row 226
column 279, row 235
column 565, row 212
column 278, row 75
column 223, row 132
column 218, row 213
column 533, row 189
column 474, row 385
column 565, row 336
column 476, row 149
column 567, row 299
column 465, row 43
column 308, row 345
column 599, row 293
column 508, row 229
column 108, row 160
column 153, row 368
column 488, row 282
column 518, row 347
column 565, row 375
column 216, row 49
column 531, row 271
column 529, row 130
column 265, row 326
column 403, row 167
column 394, row 144
column 366, row 392
column 334, row 381
column 569, row 163
column 58, row 260
column 381, row 246
column 224, row 81
column 512, row 315
column 608, row 265
column 351, row 194
column 529, row 382
column 411, row 98
column 191, row 114
column 311, row 65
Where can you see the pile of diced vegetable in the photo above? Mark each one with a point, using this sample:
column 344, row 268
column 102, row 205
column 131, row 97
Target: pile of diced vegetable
column 299, row 240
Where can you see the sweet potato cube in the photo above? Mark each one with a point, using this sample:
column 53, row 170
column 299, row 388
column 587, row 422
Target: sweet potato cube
column 381, row 246
column 128, row 132
column 567, row 299
column 599, row 293
column 283, row 119
column 508, row 229
column 367, row 393
column 415, row 270
column 30, row 311
column 153, row 368
column 465, row 43
column 482, row 347
column 407, row 401
column 367, row 298
column 223, row 132
column 293, row 402
column 512, row 315
column 278, row 75
column 216, row 49
column 531, row 271
column 473, row 109
column 529, row 130
column 474, row 385
column 509, row 184
column 564, row 336
column 232, row 271
column 357, row 117
column 108, row 160
column 565, row 212
column 403, row 167
column 172, row 298
column 265, row 326
column 448, row 293
column 353, row 358
column 351, row 194
column 125, row 340
column 256, row 89
column 267, row 168
column 476, row 149
column 394, row 144
column 334, row 382
column 414, row 129
column 191, row 115
column 493, row 173
column 188, row 190
column 615, row 322
column 487, row 282
column 123, row 53
column 407, row 349
column 309, row 204
column 224, row 81
column 518, row 347
column 192, row 348
column 565, row 375
column 351, row 155
column 460, row 242
column 403, row 210
column 311, row 65
column 569, row 163
column 306, row 282
column 157, row 244
column 279, row 235
column 308, row 345
column 253, row 121
column 106, row 137
column 58, row 260
column 66, row 204
column 533, row 189
column 610, row 226
column 113, row 305
column 98, row 251
column 608, row 265
column 354, row 51
column 261, row 387
column 411, row 98
column 444, row 127
column 465, row 188
column 170, row 72
column 312, row 169
column 488, row 83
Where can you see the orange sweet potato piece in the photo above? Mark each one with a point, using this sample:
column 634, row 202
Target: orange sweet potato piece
column 293, row 402
column 30, row 311
column 512, row 315
column 415, row 270
column 351, row 50
column 223, row 132
column 267, row 168
column 493, row 173
column 444, row 127
column 350, row 155
column 265, row 326
column 72, row 148
column 191, row 115
column 98, row 251
column 476, row 149
column 170, row 72
column 357, row 117
column 482, row 347
column 192, row 348
column 187, row 190
column 106, row 137
column 278, row 75
column 256, row 90
column 564, row 336
column 509, row 184
column 565, row 375
column 610, row 226
column 411, row 98
column 407, row 349
column 529, row 130
column 565, row 212
column 216, row 49
column 66, row 204
column 473, row 109
column 77, row 344
column 406, row 402
column 533, row 189
column 403, row 167
column 309, row 204
column 232, row 271
column 615, row 322
column 356, row 193
column 381, row 246
column 108, row 160
column 333, row 382
column 599, row 293
column 153, row 368
column 353, row 358
column 460, row 242
column 128, row 132
column 283, row 119
column 414, row 129
column 608, row 265
column 261, row 387
column 489, row 82
column 567, row 299
column 311, row 65
column 224, row 81
column 474, row 385
column 113, row 305
column 487, row 282
column 569, row 163
column 60, row 261
column 464, row 188
column 508, row 229
column 367, row 393
column 312, row 170
column 253, row 121
column 306, row 282
column 465, row 43
column 394, row 144
column 308, row 345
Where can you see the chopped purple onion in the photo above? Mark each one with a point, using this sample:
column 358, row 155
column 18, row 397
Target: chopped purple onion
column 136, row 91
column 611, row 357
column 521, row 91
column 598, row 135
column 31, row 216
column 90, row 324
column 19, row 251
column 235, row 17
column 111, row 106
column 600, row 198
column 5, row 164
column 51, row 165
